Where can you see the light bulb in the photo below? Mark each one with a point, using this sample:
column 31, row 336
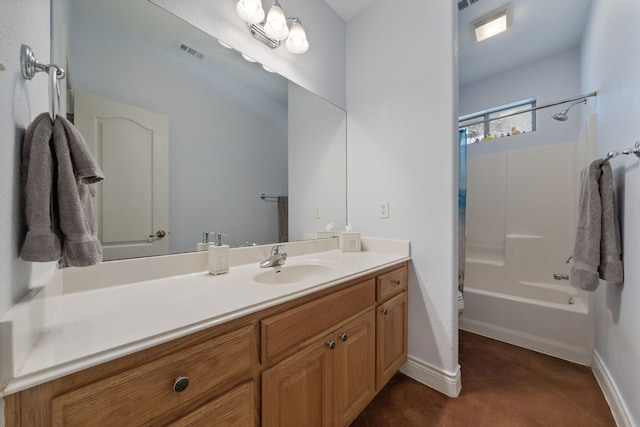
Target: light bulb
column 250, row 11
column 297, row 40
column 276, row 25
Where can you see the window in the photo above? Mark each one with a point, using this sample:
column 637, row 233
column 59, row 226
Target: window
column 498, row 127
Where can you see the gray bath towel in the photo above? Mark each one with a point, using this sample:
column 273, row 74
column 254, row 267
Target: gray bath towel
column 283, row 219
column 597, row 250
column 67, row 181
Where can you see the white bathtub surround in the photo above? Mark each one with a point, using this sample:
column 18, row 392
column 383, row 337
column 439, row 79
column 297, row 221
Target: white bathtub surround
column 170, row 297
column 519, row 234
column 547, row 323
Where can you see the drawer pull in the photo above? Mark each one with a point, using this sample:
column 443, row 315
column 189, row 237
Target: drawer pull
column 180, row 384
column 344, row 337
column 385, row 311
column 331, row 344
column 397, row 281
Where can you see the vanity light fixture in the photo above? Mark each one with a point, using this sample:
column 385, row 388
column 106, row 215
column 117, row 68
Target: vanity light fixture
column 491, row 24
column 273, row 29
column 225, row 45
column 247, row 57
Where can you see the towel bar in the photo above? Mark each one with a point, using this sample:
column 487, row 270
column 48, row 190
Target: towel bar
column 265, row 197
column 635, row 150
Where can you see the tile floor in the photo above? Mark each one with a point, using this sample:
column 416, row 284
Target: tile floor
column 502, row 386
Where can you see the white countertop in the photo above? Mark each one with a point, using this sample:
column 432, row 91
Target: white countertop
column 92, row 327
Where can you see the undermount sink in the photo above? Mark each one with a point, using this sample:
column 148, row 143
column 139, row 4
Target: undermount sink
column 284, row 274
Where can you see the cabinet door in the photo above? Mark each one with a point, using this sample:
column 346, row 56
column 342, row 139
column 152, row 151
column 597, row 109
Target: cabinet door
column 354, row 366
column 234, row 408
column 392, row 338
column 299, row 390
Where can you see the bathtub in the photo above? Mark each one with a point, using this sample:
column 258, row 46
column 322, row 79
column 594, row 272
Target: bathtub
column 549, row 318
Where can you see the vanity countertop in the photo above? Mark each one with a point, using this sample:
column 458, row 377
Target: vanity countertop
column 90, row 327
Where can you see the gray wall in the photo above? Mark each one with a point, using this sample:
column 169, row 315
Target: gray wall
column 610, row 67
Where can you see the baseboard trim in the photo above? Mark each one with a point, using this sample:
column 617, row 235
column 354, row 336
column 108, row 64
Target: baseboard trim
column 611, row 392
column 446, row 383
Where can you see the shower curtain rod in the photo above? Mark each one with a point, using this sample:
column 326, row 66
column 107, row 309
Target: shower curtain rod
column 553, row 104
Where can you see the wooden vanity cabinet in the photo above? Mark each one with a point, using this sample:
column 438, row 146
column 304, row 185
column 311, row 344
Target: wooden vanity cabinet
column 391, row 324
column 315, row 361
column 325, row 384
column 196, row 380
column 327, row 375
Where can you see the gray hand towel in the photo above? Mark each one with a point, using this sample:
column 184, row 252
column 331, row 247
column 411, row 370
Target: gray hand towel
column 43, row 240
column 58, row 174
column 77, row 174
column 596, row 253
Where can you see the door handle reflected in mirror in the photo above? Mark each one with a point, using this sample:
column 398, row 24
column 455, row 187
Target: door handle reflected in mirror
column 159, row 235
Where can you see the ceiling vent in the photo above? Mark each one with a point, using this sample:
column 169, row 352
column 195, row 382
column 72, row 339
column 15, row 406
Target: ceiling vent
column 191, row 51
column 463, row 4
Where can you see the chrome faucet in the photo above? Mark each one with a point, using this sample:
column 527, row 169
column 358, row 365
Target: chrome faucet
column 275, row 258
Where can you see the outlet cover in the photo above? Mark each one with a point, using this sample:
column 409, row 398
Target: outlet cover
column 383, row 209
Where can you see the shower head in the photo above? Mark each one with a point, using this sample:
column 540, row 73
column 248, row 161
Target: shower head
column 562, row 115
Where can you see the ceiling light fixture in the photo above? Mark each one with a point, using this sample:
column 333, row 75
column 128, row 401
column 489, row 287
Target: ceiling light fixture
column 492, row 24
column 274, row 29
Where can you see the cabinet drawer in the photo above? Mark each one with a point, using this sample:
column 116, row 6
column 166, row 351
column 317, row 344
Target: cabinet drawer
column 234, row 408
column 285, row 332
column 391, row 283
column 145, row 395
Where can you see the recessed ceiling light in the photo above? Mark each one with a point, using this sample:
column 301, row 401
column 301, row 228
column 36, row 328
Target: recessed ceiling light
column 490, row 25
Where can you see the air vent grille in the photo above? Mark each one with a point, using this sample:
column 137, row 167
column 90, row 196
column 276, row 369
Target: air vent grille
column 463, row 4
column 190, row 51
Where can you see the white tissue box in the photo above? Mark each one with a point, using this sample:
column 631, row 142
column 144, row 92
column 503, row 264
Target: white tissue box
column 326, row 234
column 349, row 241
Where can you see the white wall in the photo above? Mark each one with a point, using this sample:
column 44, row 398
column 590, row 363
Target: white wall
column 612, row 67
column 227, row 143
column 20, row 101
column 321, row 69
column 317, row 163
column 402, row 148
column 551, row 79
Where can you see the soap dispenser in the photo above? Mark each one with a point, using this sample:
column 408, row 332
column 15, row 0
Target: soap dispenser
column 218, row 256
column 204, row 245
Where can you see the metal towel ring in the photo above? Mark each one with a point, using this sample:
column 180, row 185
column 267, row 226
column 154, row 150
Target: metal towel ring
column 30, row 66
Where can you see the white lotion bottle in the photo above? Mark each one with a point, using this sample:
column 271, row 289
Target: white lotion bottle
column 218, row 256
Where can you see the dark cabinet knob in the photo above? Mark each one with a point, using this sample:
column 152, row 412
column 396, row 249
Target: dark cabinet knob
column 180, row 384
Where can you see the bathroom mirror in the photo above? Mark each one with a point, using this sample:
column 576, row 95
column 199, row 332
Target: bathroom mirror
column 235, row 130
